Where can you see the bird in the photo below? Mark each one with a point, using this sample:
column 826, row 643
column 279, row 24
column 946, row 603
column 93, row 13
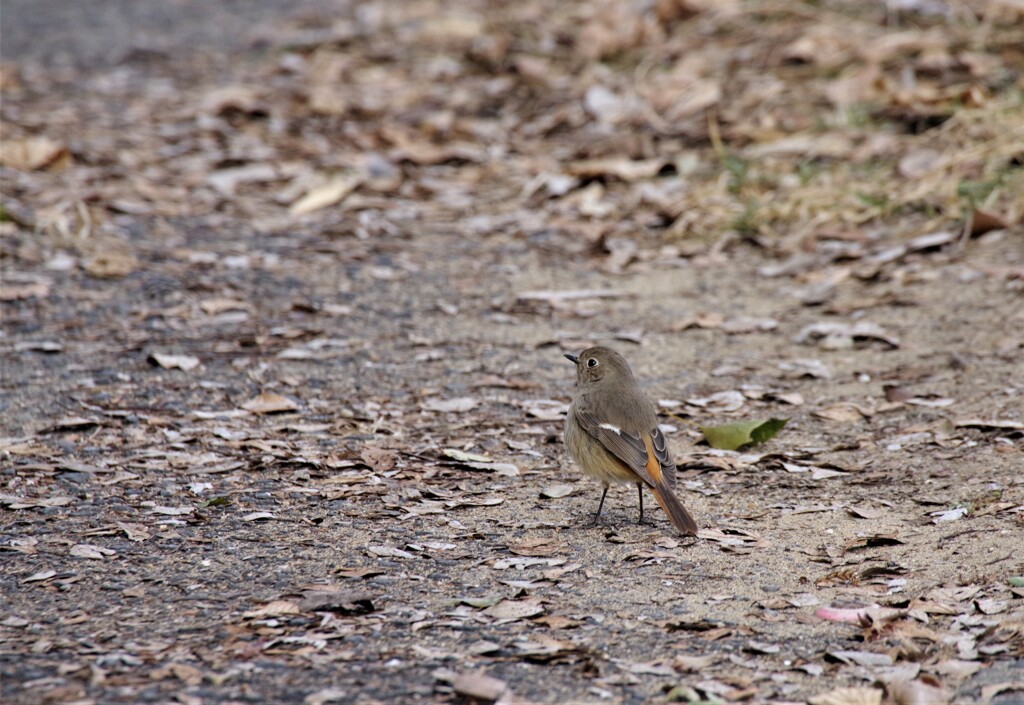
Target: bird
column 612, row 433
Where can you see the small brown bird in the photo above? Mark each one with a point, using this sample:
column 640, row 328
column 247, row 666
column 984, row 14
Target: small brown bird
column 612, row 433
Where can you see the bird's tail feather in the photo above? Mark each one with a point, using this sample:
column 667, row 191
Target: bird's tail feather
column 676, row 512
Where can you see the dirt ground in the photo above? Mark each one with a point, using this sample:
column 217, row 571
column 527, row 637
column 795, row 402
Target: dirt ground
column 283, row 323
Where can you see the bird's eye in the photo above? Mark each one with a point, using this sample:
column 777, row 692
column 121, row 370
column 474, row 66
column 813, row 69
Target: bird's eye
column 592, row 362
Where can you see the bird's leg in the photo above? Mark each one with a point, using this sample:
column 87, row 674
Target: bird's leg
column 640, row 494
column 600, row 507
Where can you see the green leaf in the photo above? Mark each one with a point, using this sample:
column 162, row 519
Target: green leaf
column 736, row 435
column 1016, row 581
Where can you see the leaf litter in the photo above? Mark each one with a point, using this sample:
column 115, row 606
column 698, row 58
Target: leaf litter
column 282, row 350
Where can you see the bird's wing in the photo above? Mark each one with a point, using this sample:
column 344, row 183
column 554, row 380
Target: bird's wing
column 660, row 447
column 629, row 447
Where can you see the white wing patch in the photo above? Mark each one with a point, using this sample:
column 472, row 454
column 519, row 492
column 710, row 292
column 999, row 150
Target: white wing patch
column 610, row 427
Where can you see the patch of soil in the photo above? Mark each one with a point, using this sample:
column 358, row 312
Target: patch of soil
column 283, row 383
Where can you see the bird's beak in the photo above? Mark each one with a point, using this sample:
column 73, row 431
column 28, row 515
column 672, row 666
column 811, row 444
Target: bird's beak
column 575, row 360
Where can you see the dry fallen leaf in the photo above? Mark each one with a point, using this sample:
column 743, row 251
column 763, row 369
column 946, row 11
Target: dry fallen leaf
column 388, row 552
column 33, row 153
column 861, row 658
column 457, row 405
column 328, row 598
column 111, row 265
column 724, row 402
column 958, row 669
column 68, row 423
column 276, row 608
column 843, row 412
column 848, row 696
column 934, row 402
column 557, row 491
column 537, row 546
column 464, row 457
column 990, row 691
column 872, row 541
column 833, row 335
column 605, row 105
column 16, row 502
column 227, row 180
column 40, row 576
column 27, row 545
column 212, row 307
column 329, row 193
column 805, row 368
column 734, row 537
column 476, row 461
column 545, row 409
column 380, row 459
column 791, row 398
column 918, row 162
column 325, row 696
column 865, row 512
column 237, row 97
column 558, row 297
column 651, row 668
column 38, row 289
column 182, row 362
column 982, row 222
column 625, row 169
column 85, row 550
column 172, row 511
column 988, row 606
column 134, row 532
column 948, row 515
column 703, row 319
column 746, row 324
column 269, row 403
column 513, row 610
column 694, row 664
column 558, row 622
column 990, row 424
column 838, row 614
column 479, row 686
column 918, row 692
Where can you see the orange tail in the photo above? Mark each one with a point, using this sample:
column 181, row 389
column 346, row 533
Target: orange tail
column 663, row 493
column 676, row 512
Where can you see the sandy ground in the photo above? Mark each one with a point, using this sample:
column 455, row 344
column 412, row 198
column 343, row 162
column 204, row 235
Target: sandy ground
column 167, row 539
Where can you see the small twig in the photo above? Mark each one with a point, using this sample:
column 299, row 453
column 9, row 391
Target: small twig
column 943, row 539
column 965, row 234
column 715, row 134
column 1000, row 560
